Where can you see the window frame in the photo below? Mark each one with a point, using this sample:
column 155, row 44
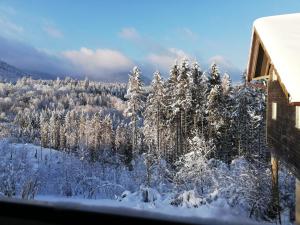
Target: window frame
column 274, row 111
column 297, row 117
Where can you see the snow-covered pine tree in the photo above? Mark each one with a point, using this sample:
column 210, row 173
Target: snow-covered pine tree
column 71, row 131
column 81, row 133
column 135, row 104
column 227, row 129
column 249, row 121
column 62, row 141
column 107, row 131
column 170, row 133
column 153, row 125
column 244, row 116
column 123, row 144
column 120, row 139
column 153, row 115
column 200, row 91
column 226, row 84
column 94, row 138
column 44, row 129
column 214, row 76
column 215, row 106
column 259, row 146
column 184, row 103
column 54, row 128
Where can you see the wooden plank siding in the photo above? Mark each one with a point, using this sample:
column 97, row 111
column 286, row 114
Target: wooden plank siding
column 282, row 135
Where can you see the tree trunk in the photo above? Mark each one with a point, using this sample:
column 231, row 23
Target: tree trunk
column 157, row 128
column 177, row 137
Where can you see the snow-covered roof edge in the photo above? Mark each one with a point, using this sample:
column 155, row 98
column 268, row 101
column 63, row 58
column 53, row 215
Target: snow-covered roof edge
column 280, row 36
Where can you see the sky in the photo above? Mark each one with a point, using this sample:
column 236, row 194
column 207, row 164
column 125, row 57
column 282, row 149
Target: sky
column 104, row 39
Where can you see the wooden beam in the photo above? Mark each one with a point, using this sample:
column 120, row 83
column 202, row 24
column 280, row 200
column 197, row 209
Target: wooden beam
column 294, row 104
column 273, row 67
column 266, row 77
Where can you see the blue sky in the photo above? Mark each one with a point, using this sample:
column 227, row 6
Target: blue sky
column 100, row 38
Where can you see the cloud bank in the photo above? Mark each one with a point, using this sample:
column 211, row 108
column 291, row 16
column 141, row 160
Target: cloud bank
column 9, row 29
column 28, row 58
column 99, row 61
column 99, row 64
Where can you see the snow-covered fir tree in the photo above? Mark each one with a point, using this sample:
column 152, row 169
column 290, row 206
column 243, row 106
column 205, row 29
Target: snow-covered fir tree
column 135, row 104
column 153, row 115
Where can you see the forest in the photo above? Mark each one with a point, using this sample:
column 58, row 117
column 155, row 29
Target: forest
column 188, row 140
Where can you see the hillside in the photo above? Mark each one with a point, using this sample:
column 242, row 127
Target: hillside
column 191, row 141
column 10, row 73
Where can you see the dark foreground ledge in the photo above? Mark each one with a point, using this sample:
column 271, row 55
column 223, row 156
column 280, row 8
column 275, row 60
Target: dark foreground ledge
column 14, row 211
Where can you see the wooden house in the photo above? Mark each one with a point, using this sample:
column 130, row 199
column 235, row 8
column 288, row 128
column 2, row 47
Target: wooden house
column 275, row 56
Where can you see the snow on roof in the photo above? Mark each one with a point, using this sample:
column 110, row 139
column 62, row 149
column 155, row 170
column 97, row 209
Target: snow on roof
column 281, row 37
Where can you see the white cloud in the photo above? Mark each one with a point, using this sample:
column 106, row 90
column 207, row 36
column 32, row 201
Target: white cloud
column 221, row 61
column 100, row 64
column 129, row 33
column 52, row 31
column 166, row 59
column 187, row 33
column 99, row 61
column 7, row 10
column 8, row 28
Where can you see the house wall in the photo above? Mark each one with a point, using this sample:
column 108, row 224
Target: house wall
column 283, row 137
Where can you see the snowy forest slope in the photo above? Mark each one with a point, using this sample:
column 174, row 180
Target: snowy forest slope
column 189, row 141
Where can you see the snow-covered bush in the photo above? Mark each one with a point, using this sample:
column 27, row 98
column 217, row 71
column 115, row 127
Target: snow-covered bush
column 248, row 187
column 188, row 199
column 144, row 194
column 17, row 174
column 194, row 172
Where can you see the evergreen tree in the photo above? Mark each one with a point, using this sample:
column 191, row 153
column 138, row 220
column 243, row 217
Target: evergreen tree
column 71, row 131
column 227, row 128
column 153, row 115
column 62, row 141
column 170, row 134
column 123, row 144
column 200, row 92
column 108, row 132
column 215, row 107
column 44, row 130
column 54, row 128
column 82, row 132
column 214, row 77
column 135, row 96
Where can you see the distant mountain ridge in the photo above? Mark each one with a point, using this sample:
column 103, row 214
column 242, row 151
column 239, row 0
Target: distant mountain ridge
column 10, row 73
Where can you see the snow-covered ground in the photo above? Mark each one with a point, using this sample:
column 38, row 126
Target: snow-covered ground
column 47, row 175
column 159, row 209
